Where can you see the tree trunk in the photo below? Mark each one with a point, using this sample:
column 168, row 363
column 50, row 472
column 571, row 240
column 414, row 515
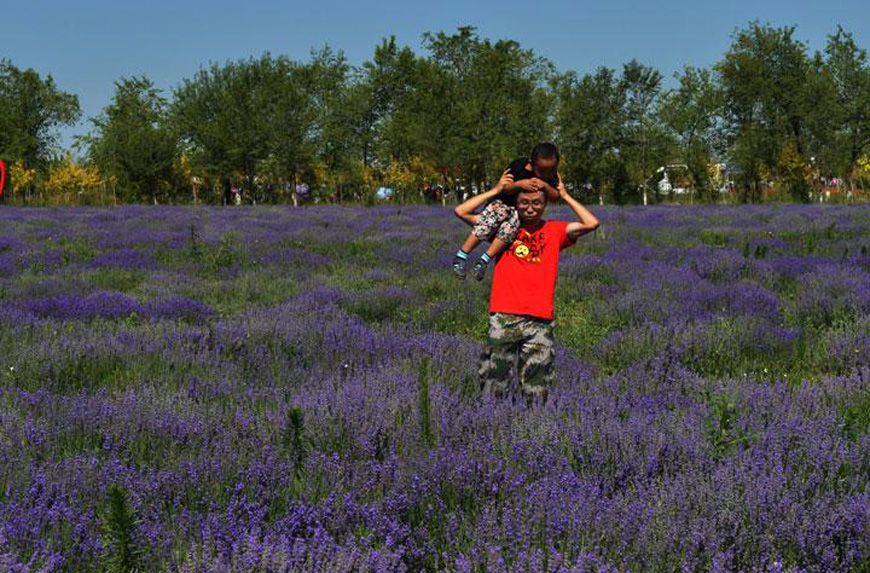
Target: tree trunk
column 228, row 199
column 250, row 188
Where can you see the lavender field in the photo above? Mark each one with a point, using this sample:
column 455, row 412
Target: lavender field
column 274, row 389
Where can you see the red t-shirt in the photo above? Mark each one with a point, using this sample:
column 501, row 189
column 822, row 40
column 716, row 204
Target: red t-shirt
column 524, row 277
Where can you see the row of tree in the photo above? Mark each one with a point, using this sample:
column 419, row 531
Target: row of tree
column 767, row 112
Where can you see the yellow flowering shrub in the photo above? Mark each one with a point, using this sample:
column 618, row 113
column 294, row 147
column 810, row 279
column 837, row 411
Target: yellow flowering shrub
column 70, row 175
column 21, row 177
column 862, row 171
column 411, row 175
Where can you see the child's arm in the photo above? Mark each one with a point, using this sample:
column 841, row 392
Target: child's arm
column 535, row 184
column 588, row 222
column 465, row 211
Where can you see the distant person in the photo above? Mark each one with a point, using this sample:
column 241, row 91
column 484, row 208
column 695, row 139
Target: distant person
column 498, row 223
column 297, row 192
column 521, row 316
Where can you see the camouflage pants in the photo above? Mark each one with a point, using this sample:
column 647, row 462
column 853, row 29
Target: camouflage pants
column 524, row 341
column 497, row 220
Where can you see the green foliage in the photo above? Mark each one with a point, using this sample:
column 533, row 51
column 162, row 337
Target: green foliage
column 295, row 440
column 494, row 93
column 759, row 252
column 770, row 95
column 589, row 124
column 375, row 309
column 132, row 142
column 646, row 145
column 122, row 552
column 229, row 295
column 690, row 113
column 194, row 241
column 222, row 115
column 226, row 254
column 425, row 407
column 114, row 279
column 578, row 329
column 777, row 117
column 724, row 430
column 714, row 238
column 153, row 452
column 856, row 417
column 846, row 72
column 76, row 441
column 31, row 110
column 91, row 372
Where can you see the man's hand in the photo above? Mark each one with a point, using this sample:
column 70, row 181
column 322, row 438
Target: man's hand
column 587, row 223
column 465, row 210
column 563, row 191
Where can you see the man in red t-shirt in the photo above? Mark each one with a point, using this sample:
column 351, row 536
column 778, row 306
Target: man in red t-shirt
column 521, row 316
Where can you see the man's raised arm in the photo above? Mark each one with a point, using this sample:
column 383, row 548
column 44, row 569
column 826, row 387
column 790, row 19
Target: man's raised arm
column 465, row 211
column 588, row 222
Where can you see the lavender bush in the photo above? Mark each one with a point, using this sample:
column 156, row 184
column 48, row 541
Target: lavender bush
column 270, row 389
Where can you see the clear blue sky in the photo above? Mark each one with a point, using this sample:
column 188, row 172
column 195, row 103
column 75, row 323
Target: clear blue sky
column 87, row 45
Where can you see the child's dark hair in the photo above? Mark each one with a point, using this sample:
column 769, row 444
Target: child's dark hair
column 545, row 150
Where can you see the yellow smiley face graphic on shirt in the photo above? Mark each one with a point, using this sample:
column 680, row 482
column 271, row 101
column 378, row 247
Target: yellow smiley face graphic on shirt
column 521, row 251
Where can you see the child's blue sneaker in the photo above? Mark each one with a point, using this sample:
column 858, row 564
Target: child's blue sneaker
column 479, row 270
column 459, row 265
